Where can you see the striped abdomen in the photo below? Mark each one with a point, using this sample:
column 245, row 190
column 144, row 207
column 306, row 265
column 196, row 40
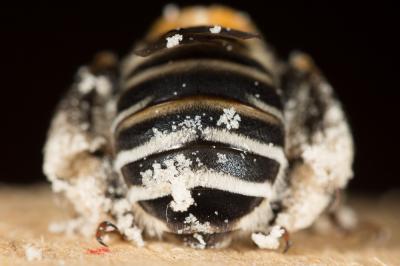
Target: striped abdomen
column 199, row 135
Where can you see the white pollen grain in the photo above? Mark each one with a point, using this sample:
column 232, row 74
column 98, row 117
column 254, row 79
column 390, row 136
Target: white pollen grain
column 221, row 158
column 270, row 241
column 216, row 29
column 201, row 243
column 32, row 253
column 229, row 118
column 174, row 40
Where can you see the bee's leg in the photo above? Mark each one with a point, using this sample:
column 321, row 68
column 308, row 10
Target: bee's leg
column 129, row 229
column 103, row 229
column 77, row 139
column 130, row 232
column 124, row 217
column 76, row 154
column 319, row 145
column 287, row 241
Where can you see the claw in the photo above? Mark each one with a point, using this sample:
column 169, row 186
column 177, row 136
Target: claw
column 105, row 228
column 286, row 238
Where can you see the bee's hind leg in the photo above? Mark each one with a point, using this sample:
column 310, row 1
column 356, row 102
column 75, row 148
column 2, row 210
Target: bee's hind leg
column 103, row 229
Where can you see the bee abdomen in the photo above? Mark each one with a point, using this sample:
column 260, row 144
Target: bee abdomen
column 210, row 122
column 205, row 77
column 215, row 211
column 219, row 157
column 198, row 51
column 178, row 123
column 197, row 113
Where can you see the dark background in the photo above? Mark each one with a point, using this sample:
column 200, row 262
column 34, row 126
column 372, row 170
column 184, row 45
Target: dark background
column 354, row 45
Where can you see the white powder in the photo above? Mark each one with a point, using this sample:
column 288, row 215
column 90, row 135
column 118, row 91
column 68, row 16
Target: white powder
column 192, row 124
column 125, row 222
column 199, row 162
column 193, row 224
column 156, row 132
column 134, row 234
column 221, row 158
column 89, row 82
column 331, row 150
column 103, row 85
column 121, row 206
column 172, row 174
column 201, row 244
column 216, row 29
column 87, row 195
column 230, row 118
column 306, row 205
column 174, row 40
column 270, row 241
column 32, row 253
column 182, row 198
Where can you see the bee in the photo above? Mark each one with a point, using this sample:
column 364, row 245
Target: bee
column 202, row 133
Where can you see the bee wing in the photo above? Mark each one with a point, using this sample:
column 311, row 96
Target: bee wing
column 319, row 143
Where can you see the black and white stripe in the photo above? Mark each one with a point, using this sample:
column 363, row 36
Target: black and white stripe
column 214, row 78
column 197, row 83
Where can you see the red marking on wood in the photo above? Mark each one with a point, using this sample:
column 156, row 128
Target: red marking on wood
column 98, row 251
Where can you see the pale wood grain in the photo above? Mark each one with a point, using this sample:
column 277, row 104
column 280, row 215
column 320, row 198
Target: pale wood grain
column 26, row 212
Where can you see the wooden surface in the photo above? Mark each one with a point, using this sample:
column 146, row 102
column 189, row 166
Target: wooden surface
column 25, row 214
